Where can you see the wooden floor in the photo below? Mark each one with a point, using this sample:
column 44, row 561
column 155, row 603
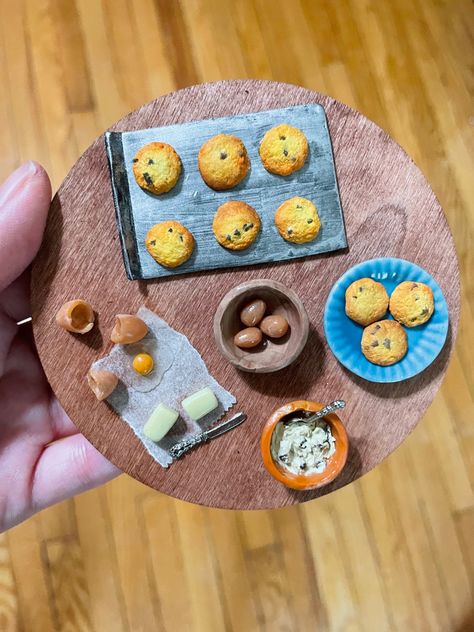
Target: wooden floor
column 394, row 551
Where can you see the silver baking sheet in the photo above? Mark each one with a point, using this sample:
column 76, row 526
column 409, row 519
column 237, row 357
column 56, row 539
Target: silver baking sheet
column 194, row 204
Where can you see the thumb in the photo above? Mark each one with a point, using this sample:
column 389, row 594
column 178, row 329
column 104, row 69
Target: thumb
column 24, row 203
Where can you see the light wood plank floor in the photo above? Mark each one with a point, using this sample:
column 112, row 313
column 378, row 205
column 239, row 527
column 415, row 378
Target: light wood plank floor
column 394, row 551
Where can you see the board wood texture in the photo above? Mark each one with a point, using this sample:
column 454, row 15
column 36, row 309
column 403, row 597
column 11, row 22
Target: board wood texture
column 194, row 204
column 389, row 210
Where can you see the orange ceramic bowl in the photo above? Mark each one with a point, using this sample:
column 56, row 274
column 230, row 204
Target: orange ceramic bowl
column 304, row 481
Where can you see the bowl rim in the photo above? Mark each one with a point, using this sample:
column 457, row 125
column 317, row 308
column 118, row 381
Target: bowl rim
column 302, row 482
column 268, row 284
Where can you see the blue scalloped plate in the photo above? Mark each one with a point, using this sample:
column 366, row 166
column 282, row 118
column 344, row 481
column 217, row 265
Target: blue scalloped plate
column 344, row 335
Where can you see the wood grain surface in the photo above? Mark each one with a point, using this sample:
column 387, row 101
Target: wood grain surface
column 383, row 196
column 394, row 550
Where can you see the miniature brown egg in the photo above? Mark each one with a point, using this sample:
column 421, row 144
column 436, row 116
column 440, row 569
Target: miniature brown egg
column 128, row 329
column 102, row 383
column 274, row 326
column 248, row 338
column 253, row 313
column 76, row 316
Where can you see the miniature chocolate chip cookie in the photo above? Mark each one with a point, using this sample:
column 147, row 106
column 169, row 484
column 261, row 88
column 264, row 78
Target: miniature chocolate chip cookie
column 384, row 343
column 156, row 168
column 223, row 162
column 297, row 220
column 284, row 150
column 366, row 301
column 170, row 243
column 236, row 225
column 412, row 303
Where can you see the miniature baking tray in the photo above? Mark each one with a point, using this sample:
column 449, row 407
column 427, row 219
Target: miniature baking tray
column 194, row 204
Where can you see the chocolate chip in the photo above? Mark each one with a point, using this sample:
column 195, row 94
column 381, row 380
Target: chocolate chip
column 282, row 137
column 223, row 155
column 153, row 242
column 293, row 158
column 375, row 329
column 414, row 285
column 412, row 320
column 310, row 221
column 361, row 289
column 386, row 343
column 237, row 232
column 229, row 238
column 303, row 466
column 298, row 206
column 354, row 296
column 375, row 343
column 170, row 230
column 181, row 238
column 424, row 311
column 285, row 152
column 417, row 298
column 148, row 179
column 135, row 160
column 151, row 161
column 247, row 227
column 289, row 231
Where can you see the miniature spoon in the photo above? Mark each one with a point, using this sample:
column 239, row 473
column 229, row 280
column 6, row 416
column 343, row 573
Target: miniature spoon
column 338, row 404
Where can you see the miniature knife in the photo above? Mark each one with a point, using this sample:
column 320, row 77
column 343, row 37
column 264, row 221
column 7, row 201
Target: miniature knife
column 182, row 447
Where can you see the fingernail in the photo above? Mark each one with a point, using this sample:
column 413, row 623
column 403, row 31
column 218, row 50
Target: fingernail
column 16, row 180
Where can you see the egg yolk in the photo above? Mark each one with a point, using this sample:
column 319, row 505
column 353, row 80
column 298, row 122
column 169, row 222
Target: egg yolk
column 143, row 363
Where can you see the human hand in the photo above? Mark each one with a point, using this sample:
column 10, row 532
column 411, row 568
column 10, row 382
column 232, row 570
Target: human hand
column 43, row 458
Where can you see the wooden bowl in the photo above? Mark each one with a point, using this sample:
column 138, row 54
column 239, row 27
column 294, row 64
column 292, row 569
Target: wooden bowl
column 304, row 481
column 272, row 354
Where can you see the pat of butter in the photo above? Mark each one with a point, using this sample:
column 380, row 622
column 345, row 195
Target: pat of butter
column 200, row 403
column 160, row 422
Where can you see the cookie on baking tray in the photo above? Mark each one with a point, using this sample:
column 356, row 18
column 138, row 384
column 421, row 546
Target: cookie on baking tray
column 284, row 150
column 366, row 301
column 297, row 220
column 412, row 303
column 156, row 167
column 169, row 243
column 223, row 162
column 236, row 225
column 384, row 342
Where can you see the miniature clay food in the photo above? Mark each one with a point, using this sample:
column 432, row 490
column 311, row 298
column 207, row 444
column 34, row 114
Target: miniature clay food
column 160, row 422
column 248, row 338
column 366, row 301
column 102, row 383
column 223, row 162
column 200, row 404
column 274, row 326
column 283, row 149
column 156, row 168
column 143, row 363
column 236, row 225
column 384, row 342
column 170, row 243
column 297, row 220
column 302, row 447
column 76, row 316
column 300, row 454
column 411, row 303
column 253, row 313
column 128, row 329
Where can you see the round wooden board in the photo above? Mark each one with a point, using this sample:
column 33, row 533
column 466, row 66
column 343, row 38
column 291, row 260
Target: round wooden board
column 389, row 209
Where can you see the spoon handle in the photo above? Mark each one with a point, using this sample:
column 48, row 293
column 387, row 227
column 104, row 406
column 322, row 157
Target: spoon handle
column 330, row 408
